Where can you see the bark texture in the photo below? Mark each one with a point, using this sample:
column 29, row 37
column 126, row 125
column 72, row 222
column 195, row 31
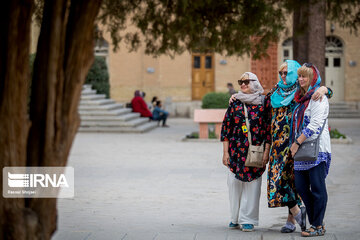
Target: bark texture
column 42, row 135
column 309, row 34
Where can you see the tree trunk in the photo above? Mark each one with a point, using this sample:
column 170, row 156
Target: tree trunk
column 64, row 56
column 14, row 125
column 309, row 34
column 317, row 37
column 300, row 41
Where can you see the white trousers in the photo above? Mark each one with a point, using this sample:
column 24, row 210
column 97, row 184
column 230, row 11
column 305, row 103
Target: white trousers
column 244, row 200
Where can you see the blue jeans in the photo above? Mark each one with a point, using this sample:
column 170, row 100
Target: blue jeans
column 311, row 186
column 162, row 118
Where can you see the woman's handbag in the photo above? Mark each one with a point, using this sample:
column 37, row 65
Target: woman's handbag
column 255, row 153
column 309, row 151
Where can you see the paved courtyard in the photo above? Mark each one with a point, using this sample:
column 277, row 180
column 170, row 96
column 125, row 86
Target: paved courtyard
column 156, row 186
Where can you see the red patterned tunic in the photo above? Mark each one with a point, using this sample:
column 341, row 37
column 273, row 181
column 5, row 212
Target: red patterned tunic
column 232, row 131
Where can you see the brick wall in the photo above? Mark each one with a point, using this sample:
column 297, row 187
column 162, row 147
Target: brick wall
column 266, row 68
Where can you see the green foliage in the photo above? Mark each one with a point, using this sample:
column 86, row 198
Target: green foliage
column 171, row 27
column 193, row 135
column 222, row 26
column 344, row 12
column 334, row 133
column 216, row 100
column 98, row 77
column 212, row 135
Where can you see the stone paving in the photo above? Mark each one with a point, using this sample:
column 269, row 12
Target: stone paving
column 155, row 186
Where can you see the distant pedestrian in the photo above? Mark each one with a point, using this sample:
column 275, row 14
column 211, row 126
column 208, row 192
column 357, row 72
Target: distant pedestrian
column 231, row 89
column 153, row 102
column 159, row 114
column 139, row 105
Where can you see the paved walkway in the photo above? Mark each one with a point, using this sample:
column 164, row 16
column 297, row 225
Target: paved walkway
column 155, row 186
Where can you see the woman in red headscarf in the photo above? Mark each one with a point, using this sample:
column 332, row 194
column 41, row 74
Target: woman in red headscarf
column 139, row 105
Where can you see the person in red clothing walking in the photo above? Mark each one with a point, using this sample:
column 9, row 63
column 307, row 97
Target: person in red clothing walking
column 139, row 105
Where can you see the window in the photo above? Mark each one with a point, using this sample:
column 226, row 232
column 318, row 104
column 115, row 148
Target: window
column 197, row 63
column 208, row 62
column 333, row 45
column 286, row 53
column 337, row 62
column 326, row 62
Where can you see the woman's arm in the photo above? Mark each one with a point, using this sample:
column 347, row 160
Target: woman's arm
column 226, row 127
column 227, row 124
column 319, row 94
column 226, row 156
column 267, row 128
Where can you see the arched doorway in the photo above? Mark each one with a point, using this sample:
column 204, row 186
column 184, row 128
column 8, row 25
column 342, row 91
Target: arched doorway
column 334, row 64
column 334, row 67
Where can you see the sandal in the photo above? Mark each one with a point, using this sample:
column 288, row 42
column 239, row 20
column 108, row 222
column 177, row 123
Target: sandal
column 286, row 229
column 303, row 218
column 314, row 232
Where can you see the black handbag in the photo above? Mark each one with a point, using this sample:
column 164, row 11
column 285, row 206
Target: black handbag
column 309, row 150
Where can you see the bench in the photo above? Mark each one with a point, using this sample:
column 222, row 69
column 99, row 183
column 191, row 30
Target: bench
column 206, row 116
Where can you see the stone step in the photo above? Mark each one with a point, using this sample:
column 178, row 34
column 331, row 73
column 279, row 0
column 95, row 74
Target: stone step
column 340, row 110
column 87, row 86
column 352, row 106
column 88, row 92
column 116, row 112
column 130, row 123
column 123, row 117
column 106, row 107
column 344, row 111
column 344, row 115
column 139, row 129
column 93, row 97
column 96, row 102
column 342, row 103
column 99, row 114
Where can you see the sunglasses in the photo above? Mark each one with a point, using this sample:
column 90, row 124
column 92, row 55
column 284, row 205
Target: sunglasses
column 246, row 81
column 283, row 73
column 309, row 65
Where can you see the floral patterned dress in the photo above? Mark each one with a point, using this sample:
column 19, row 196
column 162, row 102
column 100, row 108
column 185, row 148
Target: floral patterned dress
column 232, row 131
column 281, row 179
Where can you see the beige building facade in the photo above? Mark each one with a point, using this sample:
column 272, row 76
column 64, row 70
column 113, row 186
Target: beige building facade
column 173, row 79
column 180, row 82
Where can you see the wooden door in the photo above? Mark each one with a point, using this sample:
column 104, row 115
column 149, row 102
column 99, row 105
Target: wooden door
column 202, row 74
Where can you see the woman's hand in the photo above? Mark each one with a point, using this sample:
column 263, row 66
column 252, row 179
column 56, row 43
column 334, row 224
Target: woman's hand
column 233, row 98
column 293, row 149
column 226, row 159
column 265, row 159
column 319, row 94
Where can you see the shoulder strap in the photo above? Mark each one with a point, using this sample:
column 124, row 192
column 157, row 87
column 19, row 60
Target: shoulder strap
column 247, row 123
column 321, row 129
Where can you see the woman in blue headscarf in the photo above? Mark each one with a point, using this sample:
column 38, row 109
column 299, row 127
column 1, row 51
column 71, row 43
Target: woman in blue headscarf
column 281, row 184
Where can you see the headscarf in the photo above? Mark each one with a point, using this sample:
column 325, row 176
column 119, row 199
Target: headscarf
column 284, row 94
column 254, row 97
column 303, row 102
column 137, row 93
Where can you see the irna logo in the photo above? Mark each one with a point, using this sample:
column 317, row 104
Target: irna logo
column 37, row 180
